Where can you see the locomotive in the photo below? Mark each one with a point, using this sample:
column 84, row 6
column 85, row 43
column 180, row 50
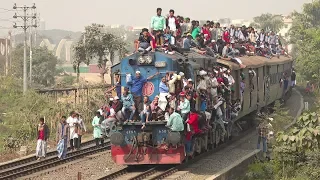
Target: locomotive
column 156, row 144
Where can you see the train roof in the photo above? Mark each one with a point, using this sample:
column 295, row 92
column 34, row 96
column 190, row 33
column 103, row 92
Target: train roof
column 188, row 55
column 255, row 61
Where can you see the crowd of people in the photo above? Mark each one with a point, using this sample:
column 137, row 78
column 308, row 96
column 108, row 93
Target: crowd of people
column 180, row 102
column 69, row 130
column 175, row 34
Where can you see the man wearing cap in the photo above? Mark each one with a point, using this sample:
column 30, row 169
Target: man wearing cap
column 184, row 106
column 164, row 91
column 117, row 107
column 187, row 42
column 136, row 88
column 128, row 103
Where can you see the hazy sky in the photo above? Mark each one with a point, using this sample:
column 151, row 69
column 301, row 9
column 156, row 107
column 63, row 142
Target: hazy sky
column 75, row 14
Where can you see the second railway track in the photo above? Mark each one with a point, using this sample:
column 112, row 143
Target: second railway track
column 158, row 172
column 30, row 167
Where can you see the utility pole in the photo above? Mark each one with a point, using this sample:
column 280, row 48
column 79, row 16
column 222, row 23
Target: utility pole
column 10, row 49
column 7, row 59
column 25, row 18
column 30, row 53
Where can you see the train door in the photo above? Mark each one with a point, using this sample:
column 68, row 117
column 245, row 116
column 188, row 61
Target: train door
column 195, row 84
column 267, row 84
column 257, row 86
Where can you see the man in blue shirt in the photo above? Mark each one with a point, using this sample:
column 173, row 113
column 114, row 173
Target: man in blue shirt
column 136, row 88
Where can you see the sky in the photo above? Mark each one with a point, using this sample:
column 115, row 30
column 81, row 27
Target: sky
column 75, row 14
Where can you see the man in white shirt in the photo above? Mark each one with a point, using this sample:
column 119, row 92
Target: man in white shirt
column 72, row 121
column 82, row 127
column 172, row 21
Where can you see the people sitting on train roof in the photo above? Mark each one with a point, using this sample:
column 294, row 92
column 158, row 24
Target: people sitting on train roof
column 136, row 84
column 128, row 108
column 187, row 42
column 145, row 43
column 175, row 122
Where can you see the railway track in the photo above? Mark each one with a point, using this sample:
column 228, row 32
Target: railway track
column 31, row 167
column 137, row 173
column 33, row 158
column 158, row 172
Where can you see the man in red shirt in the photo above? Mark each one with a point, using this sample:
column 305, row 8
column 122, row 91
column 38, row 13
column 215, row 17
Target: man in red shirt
column 43, row 135
column 192, row 129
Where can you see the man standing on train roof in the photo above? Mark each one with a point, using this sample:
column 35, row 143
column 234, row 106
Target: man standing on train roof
column 172, row 22
column 158, row 24
column 136, row 88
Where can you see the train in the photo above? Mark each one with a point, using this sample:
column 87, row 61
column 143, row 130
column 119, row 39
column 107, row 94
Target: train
column 156, row 144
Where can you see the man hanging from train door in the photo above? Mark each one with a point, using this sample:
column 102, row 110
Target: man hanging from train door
column 136, row 88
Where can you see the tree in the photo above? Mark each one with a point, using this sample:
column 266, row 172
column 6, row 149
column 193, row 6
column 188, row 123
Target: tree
column 79, row 56
column 305, row 34
column 98, row 43
column 268, row 22
column 43, row 65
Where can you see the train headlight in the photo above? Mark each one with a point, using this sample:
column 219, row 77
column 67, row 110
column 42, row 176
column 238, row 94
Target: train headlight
column 141, row 60
column 116, row 138
column 148, row 59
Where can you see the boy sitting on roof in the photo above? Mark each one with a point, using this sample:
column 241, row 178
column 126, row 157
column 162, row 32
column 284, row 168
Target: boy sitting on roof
column 145, row 42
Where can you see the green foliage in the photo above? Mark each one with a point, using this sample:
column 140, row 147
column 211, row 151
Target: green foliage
column 296, row 153
column 43, row 65
column 97, row 43
column 22, row 112
column 261, row 171
column 268, row 22
column 305, row 34
column 68, row 80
